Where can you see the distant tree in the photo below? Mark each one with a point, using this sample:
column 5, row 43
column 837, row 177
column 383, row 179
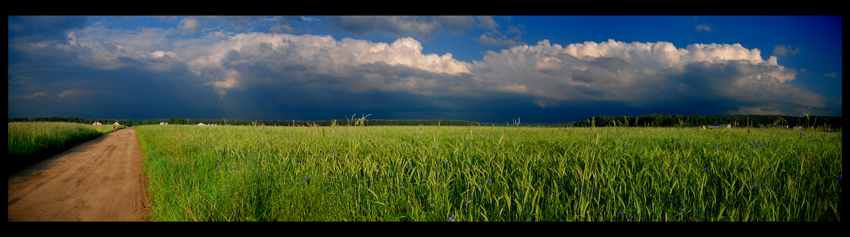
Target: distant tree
column 180, row 121
column 172, row 120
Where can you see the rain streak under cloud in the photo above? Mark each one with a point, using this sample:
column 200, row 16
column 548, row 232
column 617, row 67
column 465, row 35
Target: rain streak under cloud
column 478, row 69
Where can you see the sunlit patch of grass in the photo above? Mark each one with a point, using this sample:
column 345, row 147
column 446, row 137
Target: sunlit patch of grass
column 490, row 174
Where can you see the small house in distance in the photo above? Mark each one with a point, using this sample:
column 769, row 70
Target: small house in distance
column 201, row 124
column 116, row 124
column 96, row 123
column 163, row 123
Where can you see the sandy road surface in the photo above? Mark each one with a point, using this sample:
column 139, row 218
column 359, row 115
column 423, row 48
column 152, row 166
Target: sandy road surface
column 100, row 180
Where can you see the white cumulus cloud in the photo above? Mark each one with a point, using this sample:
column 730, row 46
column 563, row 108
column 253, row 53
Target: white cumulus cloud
column 620, row 71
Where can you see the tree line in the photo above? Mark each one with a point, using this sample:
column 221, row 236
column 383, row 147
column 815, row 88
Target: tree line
column 757, row 121
column 651, row 120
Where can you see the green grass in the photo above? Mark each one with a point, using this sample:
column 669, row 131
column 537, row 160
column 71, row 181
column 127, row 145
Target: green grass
column 31, row 142
column 490, row 174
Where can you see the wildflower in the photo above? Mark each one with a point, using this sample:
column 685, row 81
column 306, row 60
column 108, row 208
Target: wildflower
column 489, row 181
column 621, row 212
column 452, row 218
column 432, row 206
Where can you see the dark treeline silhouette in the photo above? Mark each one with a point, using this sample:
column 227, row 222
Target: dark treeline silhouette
column 73, row 120
column 651, row 120
column 758, row 121
column 178, row 121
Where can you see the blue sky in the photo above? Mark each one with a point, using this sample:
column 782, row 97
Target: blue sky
column 478, row 68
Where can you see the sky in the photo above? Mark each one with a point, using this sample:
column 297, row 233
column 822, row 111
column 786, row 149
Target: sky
column 495, row 69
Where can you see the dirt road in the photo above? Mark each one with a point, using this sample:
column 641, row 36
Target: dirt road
column 100, row 180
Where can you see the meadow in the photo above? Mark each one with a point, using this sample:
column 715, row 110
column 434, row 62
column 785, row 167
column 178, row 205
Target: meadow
column 416, row 173
column 31, row 142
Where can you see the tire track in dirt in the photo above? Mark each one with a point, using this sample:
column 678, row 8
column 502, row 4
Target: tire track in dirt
column 100, row 180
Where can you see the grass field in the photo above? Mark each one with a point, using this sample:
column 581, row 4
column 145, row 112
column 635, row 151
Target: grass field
column 491, row 174
column 31, row 142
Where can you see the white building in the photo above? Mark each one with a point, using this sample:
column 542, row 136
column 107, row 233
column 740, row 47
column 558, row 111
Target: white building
column 163, row 123
column 720, row 126
column 116, row 123
column 96, row 123
column 201, row 124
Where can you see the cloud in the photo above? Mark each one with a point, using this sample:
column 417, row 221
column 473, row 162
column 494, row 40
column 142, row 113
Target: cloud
column 486, row 22
column 251, row 58
column 189, row 26
column 649, row 72
column 772, row 109
column 705, row 27
column 783, row 50
column 495, row 41
column 169, row 19
column 831, row 74
column 20, row 80
column 75, row 92
column 42, row 28
column 424, row 27
column 516, row 30
column 106, row 49
column 456, row 24
column 36, row 95
column 285, row 24
column 726, row 77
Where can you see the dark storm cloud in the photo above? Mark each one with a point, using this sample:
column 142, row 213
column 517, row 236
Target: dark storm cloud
column 42, row 28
